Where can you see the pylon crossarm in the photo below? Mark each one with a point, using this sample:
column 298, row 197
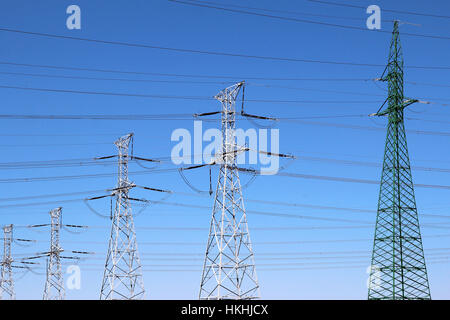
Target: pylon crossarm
column 407, row 102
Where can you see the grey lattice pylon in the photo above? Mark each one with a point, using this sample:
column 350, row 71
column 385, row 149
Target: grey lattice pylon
column 229, row 266
column 7, row 281
column 54, row 285
column 122, row 278
column 398, row 269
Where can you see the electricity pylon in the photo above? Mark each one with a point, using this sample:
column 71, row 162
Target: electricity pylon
column 54, row 286
column 229, row 266
column 122, row 278
column 398, row 270
column 7, row 282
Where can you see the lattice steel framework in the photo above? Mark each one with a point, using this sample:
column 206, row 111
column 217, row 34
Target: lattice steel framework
column 7, row 281
column 122, row 277
column 54, row 285
column 229, row 266
column 398, row 270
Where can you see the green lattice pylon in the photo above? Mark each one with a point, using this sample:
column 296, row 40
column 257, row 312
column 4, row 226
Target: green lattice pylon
column 398, row 270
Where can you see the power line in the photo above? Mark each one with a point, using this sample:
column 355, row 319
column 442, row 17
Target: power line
column 289, row 12
column 358, row 127
column 178, row 75
column 265, row 202
column 99, row 117
column 51, row 164
column 384, row 9
column 192, row 3
column 50, row 144
column 187, row 81
column 215, row 53
column 368, row 164
column 352, row 180
column 441, row 225
column 329, row 267
column 284, row 174
column 232, row 78
column 158, row 96
column 287, row 255
column 189, row 117
column 110, row 79
column 106, row 93
column 290, row 242
column 436, row 255
column 147, row 117
column 261, row 85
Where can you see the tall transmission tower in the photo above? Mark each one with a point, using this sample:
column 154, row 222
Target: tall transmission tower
column 122, row 278
column 398, row 270
column 7, row 282
column 229, row 266
column 54, row 286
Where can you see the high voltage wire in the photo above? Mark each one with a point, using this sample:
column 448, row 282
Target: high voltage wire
column 437, row 258
column 113, row 79
column 358, row 127
column 283, row 174
column 232, row 78
column 158, row 96
column 52, row 144
column 31, row 165
column 275, row 258
column 284, row 215
column 384, row 9
column 196, row 206
column 56, row 134
column 279, row 264
column 266, row 202
column 54, row 195
column 443, row 225
column 107, row 93
column 261, row 85
column 90, row 161
column 190, row 117
column 367, row 164
column 435, row 251
column 290, row 204
column 144, row 117
column 353, row 180
column 290, row 12
column 361, row 266
column 177, row 74
column 290, row 242
column 191, row 257
column 100, row 117
column 198, row 4
column 215, row 53
column 188, row 82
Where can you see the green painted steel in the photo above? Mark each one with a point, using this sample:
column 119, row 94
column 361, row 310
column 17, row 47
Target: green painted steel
column 398, row 270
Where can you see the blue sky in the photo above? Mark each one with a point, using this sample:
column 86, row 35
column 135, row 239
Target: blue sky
column 337, row 273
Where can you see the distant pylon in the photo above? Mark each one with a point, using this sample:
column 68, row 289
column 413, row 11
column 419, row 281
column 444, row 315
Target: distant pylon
column 122, row 278
column 229, row 267
column 54, row 286
column 398, row 270
column 7, row 282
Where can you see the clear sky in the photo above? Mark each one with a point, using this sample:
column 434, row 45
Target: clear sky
column 316, row 258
